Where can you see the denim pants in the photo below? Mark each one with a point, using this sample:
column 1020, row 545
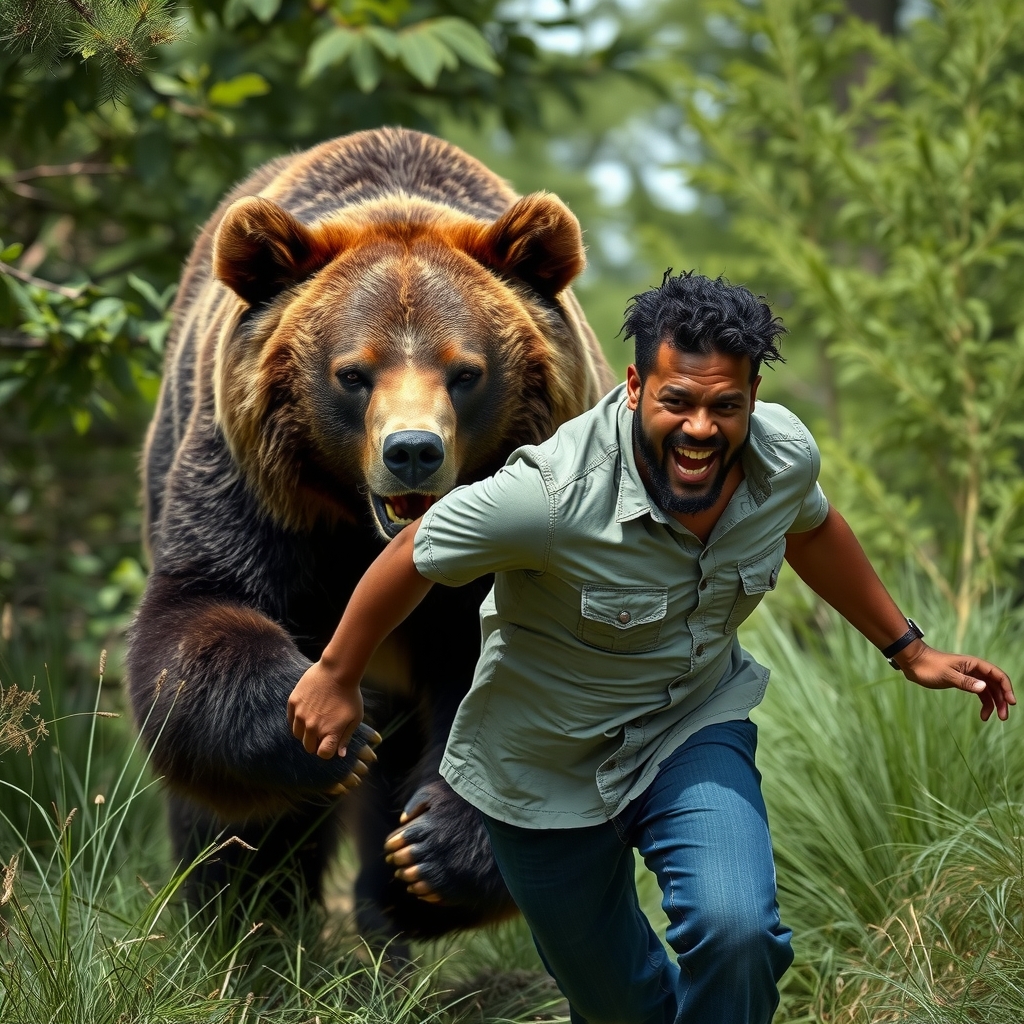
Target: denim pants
column 701, row 828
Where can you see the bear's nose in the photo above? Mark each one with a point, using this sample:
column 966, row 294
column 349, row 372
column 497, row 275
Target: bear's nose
column 413, row 455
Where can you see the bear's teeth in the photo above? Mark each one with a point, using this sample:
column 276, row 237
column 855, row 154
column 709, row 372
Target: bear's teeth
column 393, row 516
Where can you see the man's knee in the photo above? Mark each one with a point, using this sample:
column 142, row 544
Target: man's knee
column 735, row 940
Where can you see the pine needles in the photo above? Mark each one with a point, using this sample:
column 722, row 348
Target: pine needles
column 117, row 34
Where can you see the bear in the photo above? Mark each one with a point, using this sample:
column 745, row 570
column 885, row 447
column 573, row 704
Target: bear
column 359, row 328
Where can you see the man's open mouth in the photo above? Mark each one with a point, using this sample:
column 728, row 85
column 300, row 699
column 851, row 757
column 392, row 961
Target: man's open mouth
column 395, row 511
column 695, row 465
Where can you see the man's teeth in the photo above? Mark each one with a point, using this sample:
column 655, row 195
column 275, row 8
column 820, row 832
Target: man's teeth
column 694, row 453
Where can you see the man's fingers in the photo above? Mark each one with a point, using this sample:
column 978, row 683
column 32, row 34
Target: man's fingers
column 971, row 684
column 995, row 676
column 328, row 747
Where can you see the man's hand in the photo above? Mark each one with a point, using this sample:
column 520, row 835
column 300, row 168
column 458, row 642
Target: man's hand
column 323, row 712
column 937, row 670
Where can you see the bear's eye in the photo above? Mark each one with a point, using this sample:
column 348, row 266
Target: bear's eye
column 352, row 379
column 466, row 377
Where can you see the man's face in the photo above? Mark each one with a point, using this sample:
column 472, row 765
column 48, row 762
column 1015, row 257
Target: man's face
column 691, row 425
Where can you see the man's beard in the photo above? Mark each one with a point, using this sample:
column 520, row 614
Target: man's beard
column 657, row 474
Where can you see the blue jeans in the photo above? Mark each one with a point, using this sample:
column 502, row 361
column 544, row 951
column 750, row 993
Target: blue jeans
column 702, row 829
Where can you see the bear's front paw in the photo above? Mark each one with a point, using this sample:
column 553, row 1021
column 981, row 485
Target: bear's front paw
column 441, row 852
column 358, row 759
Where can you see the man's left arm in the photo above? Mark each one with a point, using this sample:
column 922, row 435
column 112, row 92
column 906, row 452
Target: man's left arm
column 830, row 560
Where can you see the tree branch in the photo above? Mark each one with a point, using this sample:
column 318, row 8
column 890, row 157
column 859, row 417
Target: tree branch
column 18, row 341
column 59, row 289
column 62, row 170
column 83, row 11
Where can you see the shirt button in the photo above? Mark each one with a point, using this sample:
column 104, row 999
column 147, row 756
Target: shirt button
column 703, row 585
column 699, row 650
column 624, row 616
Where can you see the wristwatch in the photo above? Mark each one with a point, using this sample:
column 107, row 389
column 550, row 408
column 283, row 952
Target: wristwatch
column 914, row 633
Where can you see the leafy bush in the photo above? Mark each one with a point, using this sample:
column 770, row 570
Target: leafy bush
column 876, row 182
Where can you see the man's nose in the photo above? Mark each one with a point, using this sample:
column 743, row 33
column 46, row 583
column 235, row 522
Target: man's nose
column 700, row 425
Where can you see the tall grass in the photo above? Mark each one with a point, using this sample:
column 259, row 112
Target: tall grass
column 868, row 779
column 896, row 816
column 87, row 936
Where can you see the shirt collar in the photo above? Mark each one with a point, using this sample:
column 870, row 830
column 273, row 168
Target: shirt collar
column 761, row 462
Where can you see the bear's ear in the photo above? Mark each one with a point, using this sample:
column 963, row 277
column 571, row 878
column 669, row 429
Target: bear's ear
column 260, row 249
column 537, row 240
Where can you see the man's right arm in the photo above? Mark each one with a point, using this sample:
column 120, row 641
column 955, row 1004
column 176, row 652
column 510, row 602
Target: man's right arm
column 326, row 706
column 500, row 523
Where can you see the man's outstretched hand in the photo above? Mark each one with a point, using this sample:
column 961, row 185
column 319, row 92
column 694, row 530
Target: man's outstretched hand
column 937, row 670
column 323, row 713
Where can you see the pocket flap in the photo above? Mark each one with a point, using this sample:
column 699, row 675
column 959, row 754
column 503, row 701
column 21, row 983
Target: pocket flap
column 760, row 574
column 624, row 607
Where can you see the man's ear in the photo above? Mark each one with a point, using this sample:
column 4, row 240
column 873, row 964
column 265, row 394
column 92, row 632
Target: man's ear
column 634, row 385
column 753, row 391
column 260, row 249
column 538, row 240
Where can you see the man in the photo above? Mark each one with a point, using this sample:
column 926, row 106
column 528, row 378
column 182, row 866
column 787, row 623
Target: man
column 610, row 704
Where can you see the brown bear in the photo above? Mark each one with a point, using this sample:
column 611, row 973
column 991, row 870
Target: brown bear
column 359, row 329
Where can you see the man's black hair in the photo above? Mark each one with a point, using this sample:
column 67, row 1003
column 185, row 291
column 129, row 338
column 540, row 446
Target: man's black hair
column 696, row 314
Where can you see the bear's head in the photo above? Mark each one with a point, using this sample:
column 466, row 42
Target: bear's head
column 379, row 358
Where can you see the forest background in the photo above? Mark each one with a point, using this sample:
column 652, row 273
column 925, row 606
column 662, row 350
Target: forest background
column 860, row 164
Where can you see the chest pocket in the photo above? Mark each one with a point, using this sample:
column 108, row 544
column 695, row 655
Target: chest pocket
column 756, row 577
column 624, row 620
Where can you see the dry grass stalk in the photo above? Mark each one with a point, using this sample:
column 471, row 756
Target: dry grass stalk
column 15, row 734
column 10, row 870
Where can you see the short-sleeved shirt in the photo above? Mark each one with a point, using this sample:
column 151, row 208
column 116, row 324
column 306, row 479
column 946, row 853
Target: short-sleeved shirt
column 610, row 634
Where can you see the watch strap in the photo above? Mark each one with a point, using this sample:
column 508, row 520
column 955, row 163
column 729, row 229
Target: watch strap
column 913, row 633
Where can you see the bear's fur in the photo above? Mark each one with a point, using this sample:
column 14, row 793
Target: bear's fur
column 380, row 285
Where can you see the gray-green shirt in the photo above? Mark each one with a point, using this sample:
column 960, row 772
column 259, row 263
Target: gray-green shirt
column 610, row 634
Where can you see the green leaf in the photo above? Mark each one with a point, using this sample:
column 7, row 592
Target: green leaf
column 147, row 291
column 120, row 373
column 366, row 68
column 384, row 39
column 330, row 49
column 235, row 12
column 264, row 9
column 235, row 91
column 166, row 85
column 467, row 42
column 9, row 388
column 424, row 55
column 12, row 252
column 81, row 420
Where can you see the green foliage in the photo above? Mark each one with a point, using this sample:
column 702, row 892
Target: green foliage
column 117, row 34
column 100, row 201
column 78, row 350
column 91, row 935
column 875, row 181
column 97, row 190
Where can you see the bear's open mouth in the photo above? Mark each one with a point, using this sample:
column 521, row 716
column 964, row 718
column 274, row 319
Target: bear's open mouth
column 395, row 511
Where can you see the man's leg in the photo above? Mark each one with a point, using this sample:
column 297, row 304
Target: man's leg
column 702, row 828
column 576, row 890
